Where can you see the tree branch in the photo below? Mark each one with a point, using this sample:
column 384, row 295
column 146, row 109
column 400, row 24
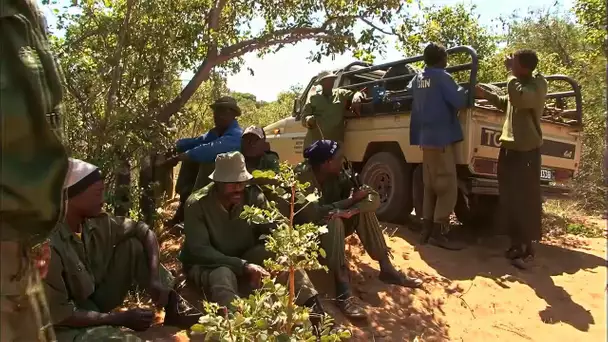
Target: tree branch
column 117, row 71
column 393, row 32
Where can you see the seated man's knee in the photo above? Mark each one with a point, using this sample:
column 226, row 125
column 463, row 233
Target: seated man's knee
column 222, row 276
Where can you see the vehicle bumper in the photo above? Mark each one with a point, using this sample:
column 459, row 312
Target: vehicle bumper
column 489, row 186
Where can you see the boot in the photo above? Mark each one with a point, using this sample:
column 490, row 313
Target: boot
column 438, row 239
column 316, row 313
column 178, row 314
column 427, row 230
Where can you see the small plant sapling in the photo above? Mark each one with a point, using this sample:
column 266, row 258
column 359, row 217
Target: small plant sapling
column 270, row 313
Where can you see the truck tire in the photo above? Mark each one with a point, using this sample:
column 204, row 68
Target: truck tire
column 390, row 176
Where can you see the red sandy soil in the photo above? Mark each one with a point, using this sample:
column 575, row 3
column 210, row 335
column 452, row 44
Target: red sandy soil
column 469, row 295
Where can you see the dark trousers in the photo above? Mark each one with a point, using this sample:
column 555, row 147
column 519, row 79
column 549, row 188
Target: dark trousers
column 520, row 196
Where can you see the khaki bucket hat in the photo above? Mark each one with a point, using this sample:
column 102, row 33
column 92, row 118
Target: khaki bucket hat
column 227, row 102
column 325, row 75
column 230, row 168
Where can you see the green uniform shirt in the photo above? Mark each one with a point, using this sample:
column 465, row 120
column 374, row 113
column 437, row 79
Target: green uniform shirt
column 33, row 162
column 523, row 105
column 334, row 194
column 215, row 237
column 79, row 263
column 329, row 115
column 268, row 161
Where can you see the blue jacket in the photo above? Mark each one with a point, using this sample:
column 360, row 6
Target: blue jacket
column 437, row 99
column 205, row 148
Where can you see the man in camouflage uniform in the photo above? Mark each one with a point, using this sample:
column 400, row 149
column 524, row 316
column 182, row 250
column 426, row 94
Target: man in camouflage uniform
column 222, row 253
column 345, row 210
column 33, row 167
column 324, row 113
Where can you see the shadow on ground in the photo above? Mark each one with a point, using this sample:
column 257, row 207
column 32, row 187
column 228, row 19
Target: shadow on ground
column 485, row 258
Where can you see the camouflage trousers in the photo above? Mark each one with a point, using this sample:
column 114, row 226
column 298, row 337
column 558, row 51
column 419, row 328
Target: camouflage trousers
column 368, row 229
column 223, row 286
column 24, row 315
column 128, row 270
column 440, row 183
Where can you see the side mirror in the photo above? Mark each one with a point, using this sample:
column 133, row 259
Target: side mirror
column 297, row 107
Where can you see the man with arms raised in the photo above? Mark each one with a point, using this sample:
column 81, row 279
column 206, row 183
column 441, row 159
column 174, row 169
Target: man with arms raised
column 520, row 159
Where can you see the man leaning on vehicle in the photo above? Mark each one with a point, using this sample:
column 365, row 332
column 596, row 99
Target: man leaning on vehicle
column 519, row 160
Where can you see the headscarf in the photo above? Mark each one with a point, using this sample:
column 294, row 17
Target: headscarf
column 81, row 176
column 320, row 151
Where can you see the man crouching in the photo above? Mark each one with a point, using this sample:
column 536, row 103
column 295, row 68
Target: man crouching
column 346, row 210
column 96, row 258
column 221, row 251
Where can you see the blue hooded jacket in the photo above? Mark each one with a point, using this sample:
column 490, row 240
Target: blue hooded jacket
column 437, row 99
column 205, row 148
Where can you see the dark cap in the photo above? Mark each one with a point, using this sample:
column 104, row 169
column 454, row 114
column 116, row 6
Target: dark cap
column 226, row 102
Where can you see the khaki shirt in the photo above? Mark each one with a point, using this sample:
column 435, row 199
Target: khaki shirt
column 78, row 264
column 215, row 237
column 329, row 113
column 523, row 105
column 334, row 194
column 34, row 162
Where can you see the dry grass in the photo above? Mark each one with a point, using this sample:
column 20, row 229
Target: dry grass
column 564, row 217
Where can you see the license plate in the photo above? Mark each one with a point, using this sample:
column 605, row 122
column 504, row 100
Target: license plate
column 546, row 174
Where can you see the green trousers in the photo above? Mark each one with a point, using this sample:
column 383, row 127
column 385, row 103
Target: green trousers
column 222, row 286
column 24, row 314
column 128, row 269
column 369, row 231
column 440, row 183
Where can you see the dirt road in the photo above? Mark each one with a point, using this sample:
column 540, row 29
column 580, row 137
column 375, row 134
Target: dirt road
column 475, row 295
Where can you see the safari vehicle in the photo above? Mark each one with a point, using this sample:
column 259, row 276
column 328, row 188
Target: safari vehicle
column 378, row 145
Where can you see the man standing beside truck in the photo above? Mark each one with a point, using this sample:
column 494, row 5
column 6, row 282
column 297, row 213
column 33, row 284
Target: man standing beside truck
column 324, row 113
column 436, row 129
column 519, row 160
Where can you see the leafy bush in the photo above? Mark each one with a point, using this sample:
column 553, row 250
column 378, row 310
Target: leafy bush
column 270, row 314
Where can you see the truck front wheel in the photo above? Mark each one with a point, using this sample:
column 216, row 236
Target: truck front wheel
column 390, row 176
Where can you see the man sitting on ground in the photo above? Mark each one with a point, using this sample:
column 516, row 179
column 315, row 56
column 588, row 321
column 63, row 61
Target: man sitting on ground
column 221, row 250
column 96, row 259
column 344, row 214
column 256, row 150
column 198, row 154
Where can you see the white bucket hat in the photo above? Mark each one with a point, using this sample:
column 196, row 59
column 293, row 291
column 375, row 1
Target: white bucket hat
column 230, row 168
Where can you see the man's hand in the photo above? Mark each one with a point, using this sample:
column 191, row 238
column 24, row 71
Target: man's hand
column 360, row 195
column 509, row 62
column 136, row 319
column 480, row 93
column 255, row 274
column 42, row 257
column 344, row 214
column 159, row 293
column 311, row 122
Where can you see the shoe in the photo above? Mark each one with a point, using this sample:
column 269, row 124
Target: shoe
column 523, row 262
column 316, row 313
column 401, row 279
column 427, row 230
column 351, row 307
column 176, row 313
column 438, row 239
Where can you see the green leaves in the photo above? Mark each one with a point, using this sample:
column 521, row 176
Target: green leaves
column 269, row 313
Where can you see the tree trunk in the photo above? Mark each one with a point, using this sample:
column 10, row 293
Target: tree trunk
column 122, row 186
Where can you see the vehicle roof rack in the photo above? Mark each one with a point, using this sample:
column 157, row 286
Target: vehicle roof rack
column 472, row 66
